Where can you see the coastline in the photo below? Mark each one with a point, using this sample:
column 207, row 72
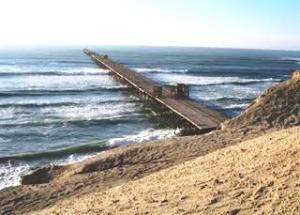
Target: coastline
column 25, row 162
column 49, row 186
column 62, row 102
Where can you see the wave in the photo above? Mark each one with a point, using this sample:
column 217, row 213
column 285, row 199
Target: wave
column 291, row 58
column 42, row 92
column 207, row 80
column 56, row 83
column 50, row 73
column 75, row 122
column 208, row 70
column 11, row 170
column 78, row 116
column 260, row 73
column 82, row 149
column 251, row 81
column 10, row 173
column 145, row 135
column 232, row 100
column 62, row 72
column 60, row 104
column 294, row 59
column 160, row 70
column 12, row 167
column 70, row 62
column 95, row 146
column 221, row 99
column 216, row 71
column 37, row 105
column 236, row 106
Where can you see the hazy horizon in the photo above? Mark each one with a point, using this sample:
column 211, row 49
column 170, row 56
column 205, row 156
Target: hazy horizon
column 262, row 25
column 112, row 46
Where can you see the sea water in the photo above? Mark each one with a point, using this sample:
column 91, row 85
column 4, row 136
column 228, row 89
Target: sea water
column 57, row 107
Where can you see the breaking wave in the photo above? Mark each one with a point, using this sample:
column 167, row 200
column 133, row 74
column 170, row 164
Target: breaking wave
column 207, row 80
column 56, row 82
column 10, row 173
column 160, row 70
column 146, row 135
column 19, row 71
column 12, row 167
column 62, row 92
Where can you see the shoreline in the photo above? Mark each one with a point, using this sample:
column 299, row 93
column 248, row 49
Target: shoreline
column 277, row 108
column 33, row 161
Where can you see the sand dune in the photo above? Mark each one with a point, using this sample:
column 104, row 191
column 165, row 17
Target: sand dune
column 255, row 177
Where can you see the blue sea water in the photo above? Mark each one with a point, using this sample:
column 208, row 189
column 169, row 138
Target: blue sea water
column 56, row 106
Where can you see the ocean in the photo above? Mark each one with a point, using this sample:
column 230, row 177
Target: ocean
column 57, row 107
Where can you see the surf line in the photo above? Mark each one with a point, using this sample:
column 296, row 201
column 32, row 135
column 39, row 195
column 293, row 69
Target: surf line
column 175, row 99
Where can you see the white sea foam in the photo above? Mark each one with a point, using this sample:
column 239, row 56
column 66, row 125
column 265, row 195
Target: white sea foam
column 71, row 159
column 84, row 71
column 104, row 111
column 7, row 113
column 233, row 106
column 10, row 174
column 204, row 80
column 297, row 59
column 243, row 93
column 56, row 82
column 32, row 69
column 160, row 70
column 291, row 58
column 145, row 135
column 91, row 112
column 213, row 93
column 59, row 99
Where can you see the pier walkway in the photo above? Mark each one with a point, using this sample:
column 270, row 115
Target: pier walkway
column 175, row 98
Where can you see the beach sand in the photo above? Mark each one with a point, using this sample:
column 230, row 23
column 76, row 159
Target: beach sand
column 260, row 176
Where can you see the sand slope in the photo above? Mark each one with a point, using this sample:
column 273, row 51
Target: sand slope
column 278, row 106
column 255, row 177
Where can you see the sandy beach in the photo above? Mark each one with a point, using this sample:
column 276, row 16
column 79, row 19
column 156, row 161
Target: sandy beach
column 253, row 177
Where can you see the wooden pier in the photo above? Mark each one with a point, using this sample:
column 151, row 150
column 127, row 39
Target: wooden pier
column 174, row 98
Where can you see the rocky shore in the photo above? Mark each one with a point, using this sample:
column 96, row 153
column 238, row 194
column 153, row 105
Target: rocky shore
column 246, row 167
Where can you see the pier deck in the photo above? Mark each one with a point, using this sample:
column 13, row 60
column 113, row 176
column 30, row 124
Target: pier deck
column 194, row 113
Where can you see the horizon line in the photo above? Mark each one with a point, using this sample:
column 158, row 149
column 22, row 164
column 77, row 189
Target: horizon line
column 35, row 46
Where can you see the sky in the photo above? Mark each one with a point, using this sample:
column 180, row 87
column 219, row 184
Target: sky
column 258, row 24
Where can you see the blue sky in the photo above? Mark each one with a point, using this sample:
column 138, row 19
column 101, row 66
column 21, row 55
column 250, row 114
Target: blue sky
column 262, row 24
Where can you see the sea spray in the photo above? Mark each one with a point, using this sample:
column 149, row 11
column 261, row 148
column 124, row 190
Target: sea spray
column 160, row 70
column 207, row 80
column 10, row 173
column 146, row 135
